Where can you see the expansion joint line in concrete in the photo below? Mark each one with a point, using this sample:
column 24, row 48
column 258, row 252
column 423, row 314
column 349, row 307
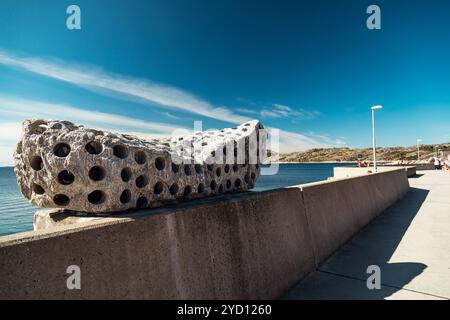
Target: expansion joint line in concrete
column 383, row 284
column 316, row 263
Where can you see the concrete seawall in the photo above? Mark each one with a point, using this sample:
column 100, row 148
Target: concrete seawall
column 347, row 172
column 248, row 246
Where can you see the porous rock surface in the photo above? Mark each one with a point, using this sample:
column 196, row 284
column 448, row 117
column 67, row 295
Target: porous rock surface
column 60, row 164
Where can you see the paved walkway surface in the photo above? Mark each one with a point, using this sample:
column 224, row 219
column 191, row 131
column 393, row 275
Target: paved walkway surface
column 410, row 242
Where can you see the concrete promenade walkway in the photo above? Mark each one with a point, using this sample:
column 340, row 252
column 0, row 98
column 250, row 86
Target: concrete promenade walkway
column 410, row 242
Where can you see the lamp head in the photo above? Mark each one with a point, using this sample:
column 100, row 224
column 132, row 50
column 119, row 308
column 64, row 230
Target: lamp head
column 377, row 107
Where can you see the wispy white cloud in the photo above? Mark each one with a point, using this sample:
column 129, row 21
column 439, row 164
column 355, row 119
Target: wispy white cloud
column 282, row 107
column 25, row 109
column 17, row 109
column 327, row 140
column 281, row 111
column 97, row 79
column 248, row 111
column 170, row 116
column 9, row 132
column 292, row 141
column 284, row 111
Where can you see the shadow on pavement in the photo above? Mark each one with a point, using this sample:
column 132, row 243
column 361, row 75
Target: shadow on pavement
column 344, row 276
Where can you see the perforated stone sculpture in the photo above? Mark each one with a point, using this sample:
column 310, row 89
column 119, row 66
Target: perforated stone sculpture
column 59, row 164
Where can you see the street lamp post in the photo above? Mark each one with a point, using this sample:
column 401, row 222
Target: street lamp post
column 418, row 149
column 377, row 107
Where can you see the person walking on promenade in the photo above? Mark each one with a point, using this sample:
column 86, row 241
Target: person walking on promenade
column 437, row 164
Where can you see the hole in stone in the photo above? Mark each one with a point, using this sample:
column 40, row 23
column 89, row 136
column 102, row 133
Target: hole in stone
column 158, row 188
column 96, row 197
column 237, row 183
column 65, row 177
column 210, row 167
column 61, row 200
column 94, row 147
column 235, row 167
column 204, row 143
column 227, row 168
column 140, row 157
column 125, row 174
column 141, row 202
column 213, row 185
column 235, row 152
column 244, row 129
column 218, row 172
column 247, row 124
column 187, row 191
column 187, row 169
column 224, row 151
column 175, row 167
column 228, row 184
column 141, row 181
column 125, row 197
column 120, row 151
column 221, row 188
column 201, row 188
column 253, row 175
column 97, row 173
column 38, row 189
column 173, row 189
column 36, row 163
column 160, row 163
column 213, row 153
column 56, row 126
column 198, row 168
column 247, row 178
column 61, row 150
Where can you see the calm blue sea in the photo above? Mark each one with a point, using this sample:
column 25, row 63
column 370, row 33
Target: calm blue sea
column 16, row 214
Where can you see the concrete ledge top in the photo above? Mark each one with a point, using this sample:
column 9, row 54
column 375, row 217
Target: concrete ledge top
column 318, row 183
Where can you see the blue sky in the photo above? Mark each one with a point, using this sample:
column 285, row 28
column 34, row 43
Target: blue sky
column 309, row 68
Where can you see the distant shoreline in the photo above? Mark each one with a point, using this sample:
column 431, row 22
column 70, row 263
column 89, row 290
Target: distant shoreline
column 310, row 162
